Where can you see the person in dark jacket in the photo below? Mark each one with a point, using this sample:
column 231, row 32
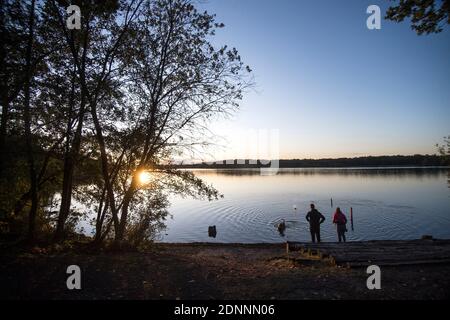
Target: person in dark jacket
column 315, row 218
column 341, row 221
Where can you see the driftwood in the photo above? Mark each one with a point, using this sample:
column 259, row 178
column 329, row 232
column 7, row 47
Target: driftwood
column 365, row 253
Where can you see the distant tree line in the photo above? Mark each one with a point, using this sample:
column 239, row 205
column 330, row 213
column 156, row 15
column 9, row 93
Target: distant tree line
column 370, row 161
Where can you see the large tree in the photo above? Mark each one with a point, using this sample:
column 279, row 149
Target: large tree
column 93, row 50
column 175, row 82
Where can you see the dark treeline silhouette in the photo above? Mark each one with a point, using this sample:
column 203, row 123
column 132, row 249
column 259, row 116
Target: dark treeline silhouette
column 419, row 172
column 370, row 161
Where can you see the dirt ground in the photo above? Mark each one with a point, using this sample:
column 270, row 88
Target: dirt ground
column 207, row 271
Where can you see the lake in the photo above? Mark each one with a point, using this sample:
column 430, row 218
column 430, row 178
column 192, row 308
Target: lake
column 388, row 203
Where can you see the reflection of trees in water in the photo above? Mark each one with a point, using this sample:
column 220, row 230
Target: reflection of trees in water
column 363, row 172
column 448, row 178
column 444, row 151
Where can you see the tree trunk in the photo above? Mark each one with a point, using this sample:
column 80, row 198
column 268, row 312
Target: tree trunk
column 69, row 167
column 101, row 214
column 72, row 150
column 120, row 231
column 27, row 122
column 66, row 197
column 3, row 126
column 4, row 94
column 105, row 167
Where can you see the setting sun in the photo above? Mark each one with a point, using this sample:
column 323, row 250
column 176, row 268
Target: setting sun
column 145, row 177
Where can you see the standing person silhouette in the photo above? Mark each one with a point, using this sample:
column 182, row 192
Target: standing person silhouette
column 341, row 221
column 315, row 218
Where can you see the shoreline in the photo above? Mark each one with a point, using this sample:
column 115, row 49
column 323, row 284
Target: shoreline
column 200, row 243
column 213, row 271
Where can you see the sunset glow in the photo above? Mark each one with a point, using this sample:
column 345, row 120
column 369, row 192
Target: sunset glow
column 144, row 177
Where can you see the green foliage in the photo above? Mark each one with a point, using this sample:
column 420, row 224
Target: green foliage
column 427, row 16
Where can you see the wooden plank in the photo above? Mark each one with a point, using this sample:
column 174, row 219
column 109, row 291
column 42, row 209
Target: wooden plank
column 396, row 252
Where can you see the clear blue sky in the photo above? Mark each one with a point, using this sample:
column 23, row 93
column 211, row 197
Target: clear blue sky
column 331, row 86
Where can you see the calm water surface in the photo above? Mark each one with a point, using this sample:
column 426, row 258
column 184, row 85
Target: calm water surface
column 387, row 204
